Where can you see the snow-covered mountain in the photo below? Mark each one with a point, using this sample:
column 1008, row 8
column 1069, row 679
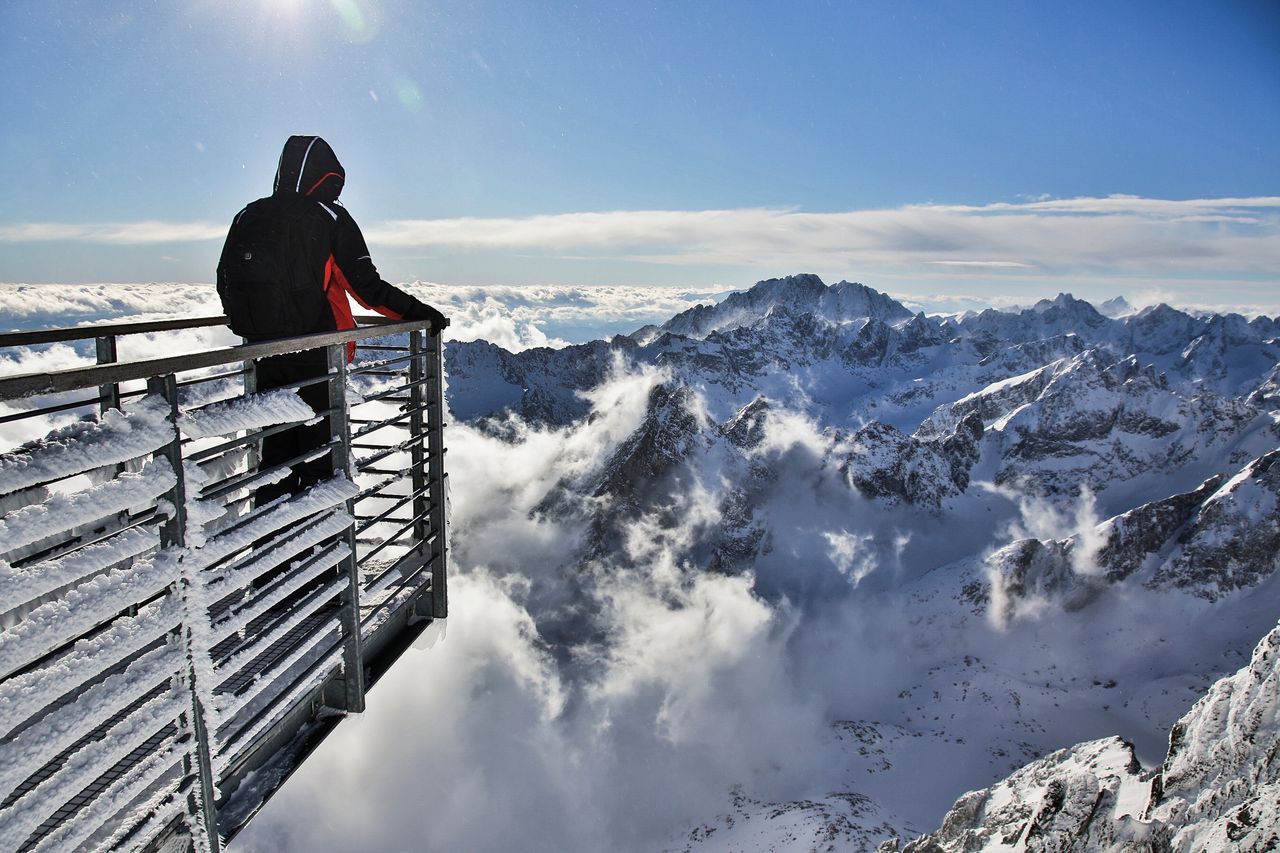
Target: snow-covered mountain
column 1042, row 527
column 1218, row 787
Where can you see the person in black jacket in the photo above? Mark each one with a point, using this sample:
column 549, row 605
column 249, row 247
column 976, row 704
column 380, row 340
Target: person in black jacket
column 331, row 261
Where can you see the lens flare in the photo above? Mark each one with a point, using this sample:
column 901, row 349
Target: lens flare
column 360, row 20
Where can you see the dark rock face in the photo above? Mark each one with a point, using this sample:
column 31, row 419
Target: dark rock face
column 1036, row 569
column 1267, row 395
column 1234, row 540
column 962, row 448
column 663, row 440
column 746, row 428
column 540, row 385
column 1145, row 530
column 1210, row 541
column 881, row 462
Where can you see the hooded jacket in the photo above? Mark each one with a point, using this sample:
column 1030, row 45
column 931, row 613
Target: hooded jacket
column 308, row 180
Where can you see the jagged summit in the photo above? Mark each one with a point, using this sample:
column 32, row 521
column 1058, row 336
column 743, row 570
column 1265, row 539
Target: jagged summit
column 1116, row 307
column 803, row 294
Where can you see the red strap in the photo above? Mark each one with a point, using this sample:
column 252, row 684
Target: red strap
column 322, row 179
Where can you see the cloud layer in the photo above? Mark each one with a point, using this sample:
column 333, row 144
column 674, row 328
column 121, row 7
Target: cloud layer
column 1119, row 233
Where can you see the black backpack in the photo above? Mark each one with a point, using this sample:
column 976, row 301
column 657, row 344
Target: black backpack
column 271, row 276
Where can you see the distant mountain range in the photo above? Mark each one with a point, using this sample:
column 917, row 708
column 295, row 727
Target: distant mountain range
column 1016, row 485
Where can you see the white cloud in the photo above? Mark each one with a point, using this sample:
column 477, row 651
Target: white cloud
column 982, row 264
column 851, row 554
column 1117, row 232
column 1240, row 236
column 520, row 317
column 115, row 233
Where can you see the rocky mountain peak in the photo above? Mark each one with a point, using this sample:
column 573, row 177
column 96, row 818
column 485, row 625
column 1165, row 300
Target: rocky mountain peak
column 1116, row 307
column 665, row 437
column 746, row 428
column 803, row 294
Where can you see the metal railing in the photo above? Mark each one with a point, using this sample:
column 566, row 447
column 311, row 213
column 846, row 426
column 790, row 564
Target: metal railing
column 173, row 647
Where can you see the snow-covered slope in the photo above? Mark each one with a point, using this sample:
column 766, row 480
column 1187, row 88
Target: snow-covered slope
column 1217, row 789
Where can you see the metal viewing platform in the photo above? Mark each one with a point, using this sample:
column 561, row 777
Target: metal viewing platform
column 170, row 650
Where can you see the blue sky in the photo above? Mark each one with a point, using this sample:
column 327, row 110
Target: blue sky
column 924, row 144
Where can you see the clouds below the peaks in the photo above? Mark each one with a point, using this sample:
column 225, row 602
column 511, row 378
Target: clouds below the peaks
column 495, row 737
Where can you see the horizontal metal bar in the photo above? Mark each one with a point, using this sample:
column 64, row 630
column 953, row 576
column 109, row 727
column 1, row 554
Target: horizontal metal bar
column 387, row 472
column 372, row 491
column 374, row 426
column 237, row 481
column 365, row 367
column 377, row 518
column 311, row 603
column 279, row 537
column 50, row 410
column 378, row 373
column 60, row 477
column 228, row 374
column 384, row 347
column 62, row 549
column 379, row 584
column 248, row 516
column 255, row 435
column 407, row 444
column 101, row 330
column 398, row 389
column 323, row 659
column 27, row 384
column 389, row 540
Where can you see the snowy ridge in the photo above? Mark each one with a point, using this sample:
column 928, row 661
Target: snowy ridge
column 840, row 303
column 1225, row 753
column 1214, row 540
column 1216, row 790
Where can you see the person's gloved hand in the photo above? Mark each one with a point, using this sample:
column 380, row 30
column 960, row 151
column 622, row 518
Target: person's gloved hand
column 423, row 311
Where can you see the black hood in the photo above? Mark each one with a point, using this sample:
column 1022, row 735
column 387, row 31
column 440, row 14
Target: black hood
column 309, row 167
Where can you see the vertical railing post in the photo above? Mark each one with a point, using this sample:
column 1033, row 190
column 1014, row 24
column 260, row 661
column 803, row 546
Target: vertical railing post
column 173, row 535
column 417, row 453
column 250, row 381
column 340, row 452
column 108, row 395
column 108, row 399
column 436, row 476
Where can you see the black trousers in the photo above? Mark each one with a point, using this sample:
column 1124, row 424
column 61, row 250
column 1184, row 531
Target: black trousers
column 277, row 449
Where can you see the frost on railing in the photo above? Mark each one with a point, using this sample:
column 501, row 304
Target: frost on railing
column 169, row 649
